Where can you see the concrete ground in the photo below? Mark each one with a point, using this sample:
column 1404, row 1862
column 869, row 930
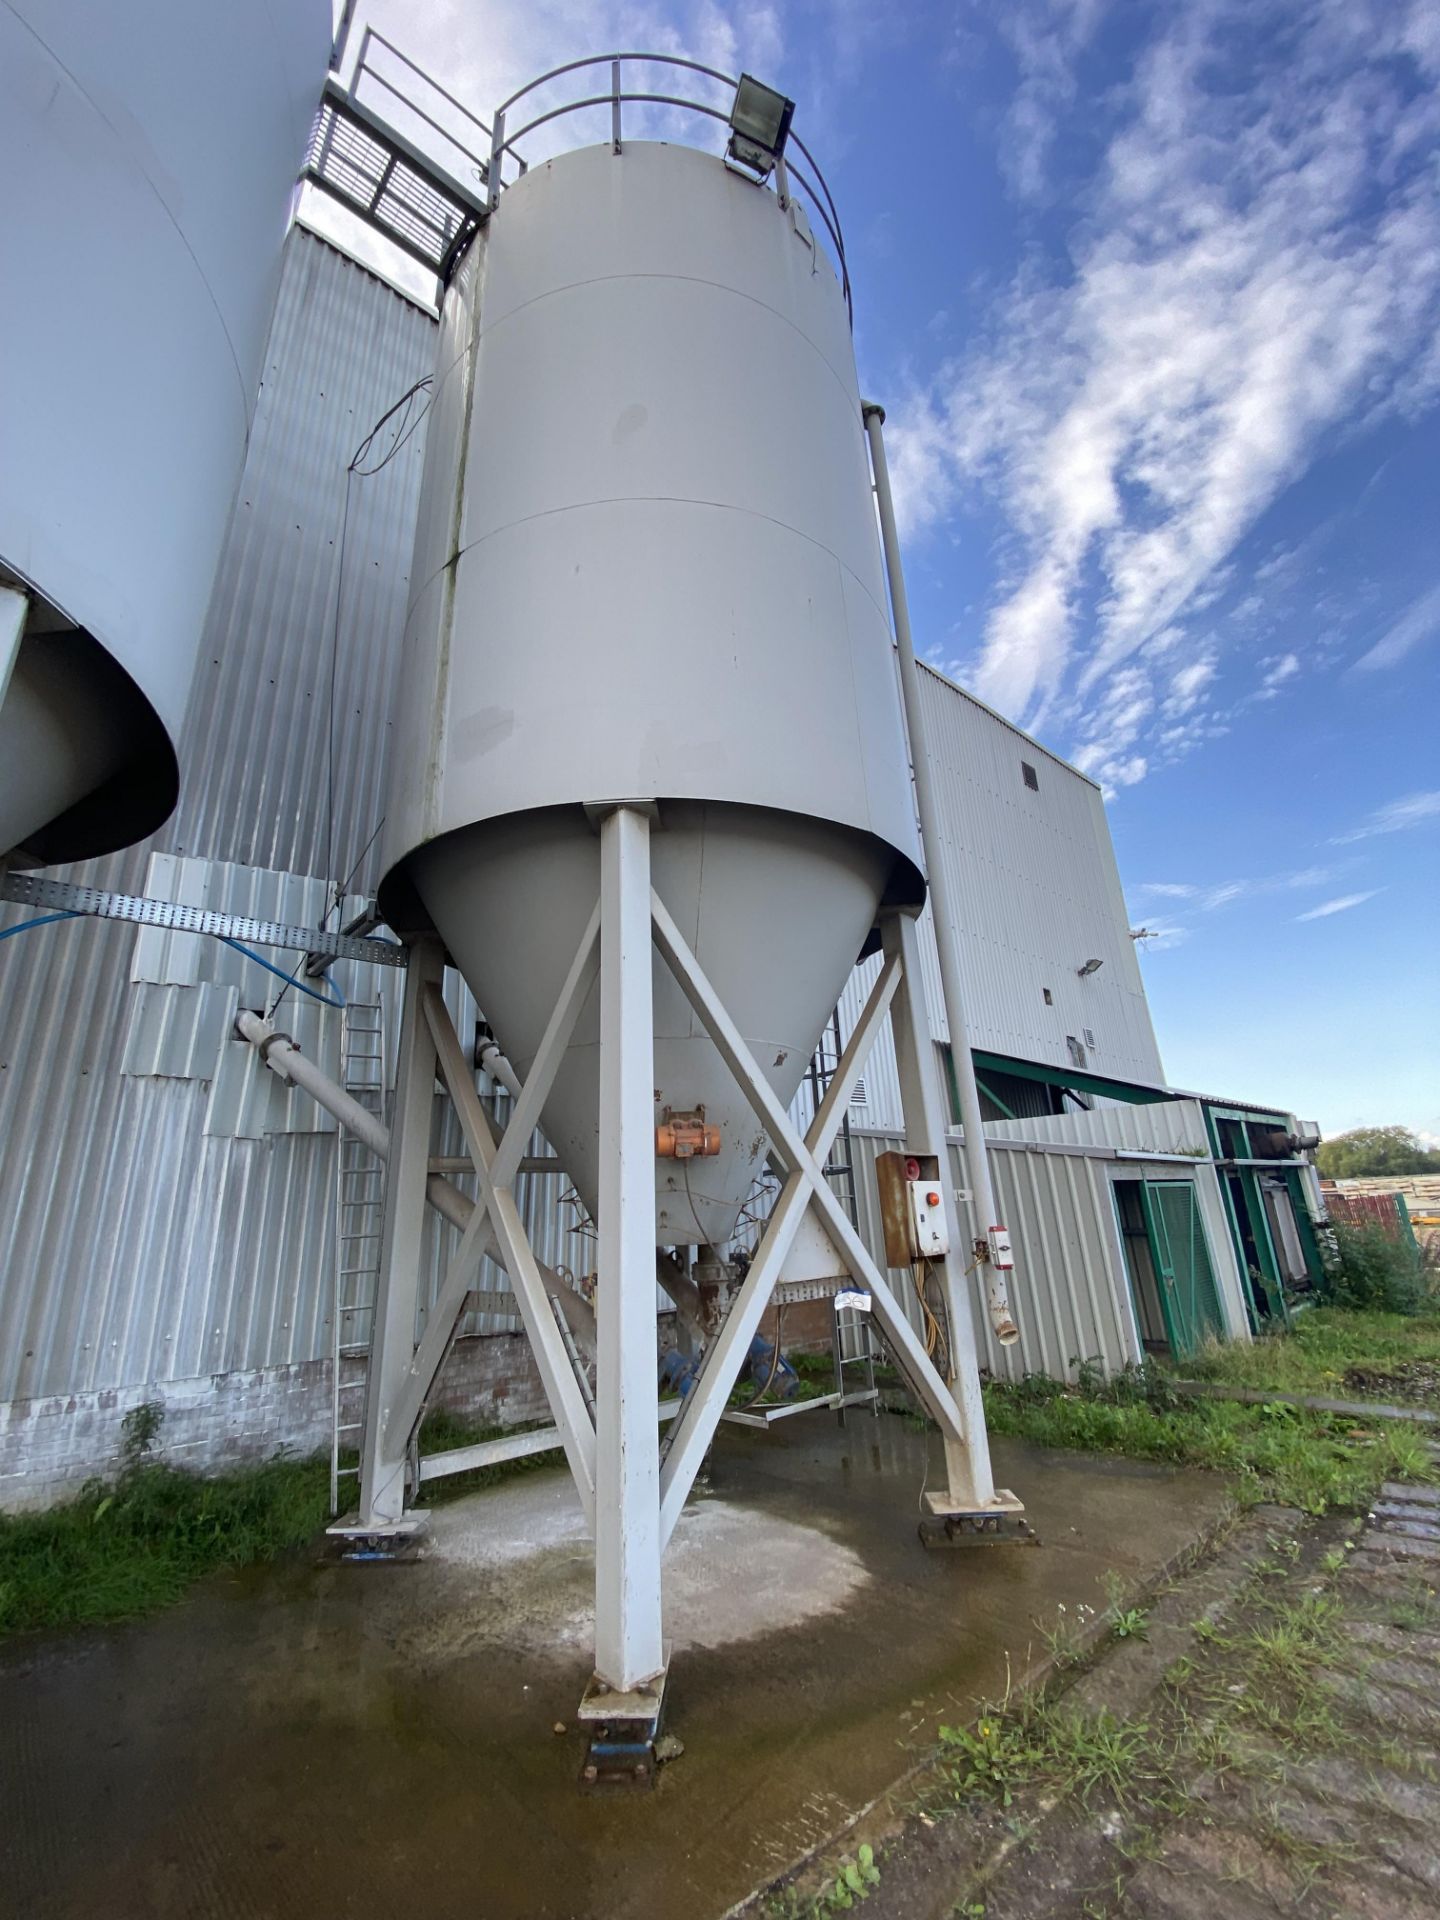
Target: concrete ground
column 1275, row 1739
column 324, row 1740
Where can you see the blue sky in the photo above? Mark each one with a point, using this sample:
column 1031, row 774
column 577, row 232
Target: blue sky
column 1152, row 296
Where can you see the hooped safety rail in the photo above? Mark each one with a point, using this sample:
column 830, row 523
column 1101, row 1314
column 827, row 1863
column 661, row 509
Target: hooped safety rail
column 504, row 136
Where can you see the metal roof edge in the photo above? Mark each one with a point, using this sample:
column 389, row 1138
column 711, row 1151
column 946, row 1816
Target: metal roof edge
column 367, row 267
column 1272, row 1109
column 1029, row 738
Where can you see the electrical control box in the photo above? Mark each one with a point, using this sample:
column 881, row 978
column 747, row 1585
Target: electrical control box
column 912, row 1208
column 927, row 1214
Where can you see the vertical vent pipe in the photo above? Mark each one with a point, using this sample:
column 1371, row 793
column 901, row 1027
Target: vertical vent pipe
column 977, row 1159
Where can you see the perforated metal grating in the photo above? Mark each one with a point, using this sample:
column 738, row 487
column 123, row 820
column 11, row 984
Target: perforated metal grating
column 403, row 202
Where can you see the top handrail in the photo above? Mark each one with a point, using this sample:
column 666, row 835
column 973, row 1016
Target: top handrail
column 363, row 69
column 503, row 142
column 605, row 59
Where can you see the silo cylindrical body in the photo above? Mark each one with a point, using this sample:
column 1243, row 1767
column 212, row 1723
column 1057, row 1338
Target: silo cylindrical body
column 148, row 156
column 647, row 569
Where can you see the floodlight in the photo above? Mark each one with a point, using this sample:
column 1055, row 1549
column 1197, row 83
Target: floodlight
column 760, row 124
column 1090, row 966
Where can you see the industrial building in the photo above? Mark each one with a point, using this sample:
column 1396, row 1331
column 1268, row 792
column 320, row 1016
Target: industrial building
column 179, row 1223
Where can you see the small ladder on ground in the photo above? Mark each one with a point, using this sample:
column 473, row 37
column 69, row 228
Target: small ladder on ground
column 852, row 1341
column 359, row 1220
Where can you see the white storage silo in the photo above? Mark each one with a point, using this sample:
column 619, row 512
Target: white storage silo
column 647, row 569
column 148, row 157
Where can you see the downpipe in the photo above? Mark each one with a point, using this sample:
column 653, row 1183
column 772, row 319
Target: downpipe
column 997, row 1297
column 985, row 1214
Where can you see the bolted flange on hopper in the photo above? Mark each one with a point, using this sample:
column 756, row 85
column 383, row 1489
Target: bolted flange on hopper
column 647, row 569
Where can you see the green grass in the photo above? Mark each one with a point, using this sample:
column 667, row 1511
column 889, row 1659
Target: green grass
column 1314, row 1461
column 135, row 1544
column 1315, row 1358
column 1253, row 1696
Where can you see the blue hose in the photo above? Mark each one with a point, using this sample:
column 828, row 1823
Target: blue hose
column 44, row 920
column 280, row 974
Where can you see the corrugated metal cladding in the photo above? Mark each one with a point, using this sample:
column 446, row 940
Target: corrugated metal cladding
column 1159, row 1126
column 1162, row 1128
column 1067, row 1290
column 134, row 1246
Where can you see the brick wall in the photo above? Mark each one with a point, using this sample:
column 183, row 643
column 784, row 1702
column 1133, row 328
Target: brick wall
column 49, row 1447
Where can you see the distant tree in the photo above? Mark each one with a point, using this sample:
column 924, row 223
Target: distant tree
column 1375, row 1153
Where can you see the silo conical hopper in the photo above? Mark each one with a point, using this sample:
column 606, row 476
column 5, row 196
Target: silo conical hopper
column 647, row 570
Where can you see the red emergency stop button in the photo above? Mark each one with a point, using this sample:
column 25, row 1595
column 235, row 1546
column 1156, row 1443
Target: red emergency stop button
column 932, row 1199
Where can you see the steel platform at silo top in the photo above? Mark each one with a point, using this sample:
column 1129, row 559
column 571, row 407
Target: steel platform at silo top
column 320, row 1739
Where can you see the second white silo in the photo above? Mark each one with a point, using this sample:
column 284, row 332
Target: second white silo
column 647, row 569
column 149, row 155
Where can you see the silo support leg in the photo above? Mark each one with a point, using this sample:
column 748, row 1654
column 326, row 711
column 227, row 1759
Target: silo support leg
column 971, row 1484
column 383, row 1444
column 629, row 1650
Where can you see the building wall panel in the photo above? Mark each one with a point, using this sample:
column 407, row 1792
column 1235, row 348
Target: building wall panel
column 1033, row 877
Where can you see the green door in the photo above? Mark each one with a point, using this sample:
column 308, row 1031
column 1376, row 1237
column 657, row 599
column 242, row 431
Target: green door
column 1182, row 1263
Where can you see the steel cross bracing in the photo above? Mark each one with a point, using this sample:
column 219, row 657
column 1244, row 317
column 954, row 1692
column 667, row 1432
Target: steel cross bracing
column 29, row 890
column 632, row 1492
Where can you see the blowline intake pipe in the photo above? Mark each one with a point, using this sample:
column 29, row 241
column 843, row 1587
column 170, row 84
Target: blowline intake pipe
column 280, row 1053
column 993, row 1252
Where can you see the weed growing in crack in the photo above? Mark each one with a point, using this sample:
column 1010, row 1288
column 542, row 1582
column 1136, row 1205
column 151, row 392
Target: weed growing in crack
column 1126, row 1623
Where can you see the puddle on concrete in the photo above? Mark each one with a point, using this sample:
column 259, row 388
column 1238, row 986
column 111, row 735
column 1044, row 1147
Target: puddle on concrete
column 517, row 1570
column 325, row 1740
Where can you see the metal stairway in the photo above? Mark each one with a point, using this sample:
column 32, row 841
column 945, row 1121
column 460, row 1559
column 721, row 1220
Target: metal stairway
column 359, row 1217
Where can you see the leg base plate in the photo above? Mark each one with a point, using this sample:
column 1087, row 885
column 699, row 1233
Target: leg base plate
column 623, row 1728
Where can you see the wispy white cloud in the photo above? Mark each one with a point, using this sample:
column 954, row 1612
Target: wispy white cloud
column 1419, row 622
column 1394, row 817
column 1259, row 265
column 1188, row 683
column 1205, row 899
column 1342, row 905
column 1045, row 39
column 1277, row 672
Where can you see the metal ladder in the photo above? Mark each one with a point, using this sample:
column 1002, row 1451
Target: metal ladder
column 853, row 1344
column 359, row 1218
